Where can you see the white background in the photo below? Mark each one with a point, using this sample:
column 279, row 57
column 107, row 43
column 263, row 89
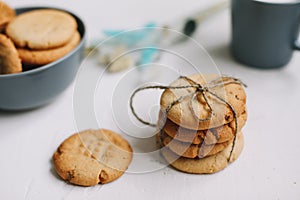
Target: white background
column 269, row 167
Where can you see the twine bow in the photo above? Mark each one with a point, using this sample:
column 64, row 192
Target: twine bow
column 201, row 89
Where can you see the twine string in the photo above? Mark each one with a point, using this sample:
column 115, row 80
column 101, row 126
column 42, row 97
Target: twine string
column 198, row 89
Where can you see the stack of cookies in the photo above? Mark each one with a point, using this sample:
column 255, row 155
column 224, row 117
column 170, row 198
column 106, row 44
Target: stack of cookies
column 200, row 125
column 35, row 38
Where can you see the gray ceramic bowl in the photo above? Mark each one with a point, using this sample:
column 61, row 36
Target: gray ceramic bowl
column 37, row 87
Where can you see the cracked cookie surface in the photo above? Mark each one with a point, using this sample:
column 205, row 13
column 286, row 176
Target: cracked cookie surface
column 187, row 112
column 91, row 157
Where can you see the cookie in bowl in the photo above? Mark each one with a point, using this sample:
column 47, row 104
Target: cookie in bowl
column 10, row 62
column 40, row 84
column 6, row 15
column 42, row 29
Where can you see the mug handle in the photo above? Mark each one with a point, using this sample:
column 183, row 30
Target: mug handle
column 297, row 45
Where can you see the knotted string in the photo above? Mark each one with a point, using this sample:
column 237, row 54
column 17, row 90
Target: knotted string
column 199, row 89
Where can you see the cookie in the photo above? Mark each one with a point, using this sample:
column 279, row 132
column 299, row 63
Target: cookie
column 6, row 15
column 207, row 165
column 189, row 150
column 10, row 62
column 91, row 157
column 181, row 113
column 42, row 29
column 211, row 136
column 42, row 57
column 183, row 134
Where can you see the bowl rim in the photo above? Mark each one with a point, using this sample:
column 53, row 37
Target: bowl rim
column 49, row 65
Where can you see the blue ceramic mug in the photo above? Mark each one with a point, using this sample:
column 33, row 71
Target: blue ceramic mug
column 265, row 32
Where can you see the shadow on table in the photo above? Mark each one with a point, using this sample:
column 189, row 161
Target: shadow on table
column 224, row 59
column 52, row 170
column 223, row 52
column 4, row 112
column 222, row 55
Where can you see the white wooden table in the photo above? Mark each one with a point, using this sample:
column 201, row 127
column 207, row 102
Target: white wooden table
column 269, row 167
